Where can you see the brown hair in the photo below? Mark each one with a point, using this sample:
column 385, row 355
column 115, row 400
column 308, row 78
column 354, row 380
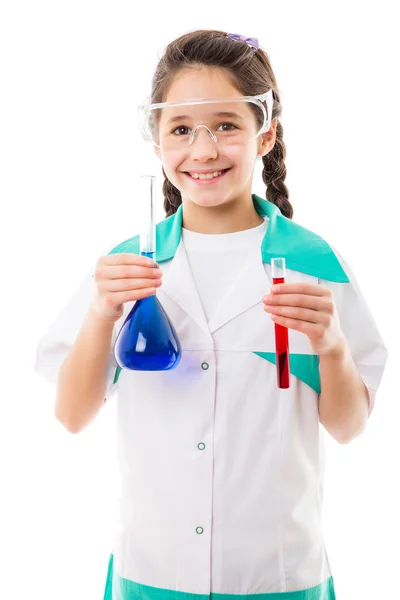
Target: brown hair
column 251, row 73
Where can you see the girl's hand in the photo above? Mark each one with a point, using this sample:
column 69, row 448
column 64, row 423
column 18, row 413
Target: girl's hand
column 310, row 309
column 122, row 278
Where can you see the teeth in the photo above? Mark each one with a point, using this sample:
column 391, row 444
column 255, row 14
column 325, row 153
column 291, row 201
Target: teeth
column 205, row 175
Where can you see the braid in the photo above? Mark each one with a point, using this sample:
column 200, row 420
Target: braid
column 172, row 197
column 274, row 174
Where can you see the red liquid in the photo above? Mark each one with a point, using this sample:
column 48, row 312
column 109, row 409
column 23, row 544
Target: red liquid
column 282, row 349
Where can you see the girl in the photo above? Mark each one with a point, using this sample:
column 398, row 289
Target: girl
column 221, row 470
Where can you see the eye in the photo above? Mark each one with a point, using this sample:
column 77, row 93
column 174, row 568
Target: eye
column 229, row 125
column 180, row 128
column 183, row 129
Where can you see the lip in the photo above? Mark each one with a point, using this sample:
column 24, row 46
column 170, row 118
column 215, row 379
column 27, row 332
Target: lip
column 207, row 181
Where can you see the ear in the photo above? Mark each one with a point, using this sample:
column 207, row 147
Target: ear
column 157, row 151
column 267, row 140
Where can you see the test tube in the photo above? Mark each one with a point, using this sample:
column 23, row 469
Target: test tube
column 148, row 227
column 278, row 269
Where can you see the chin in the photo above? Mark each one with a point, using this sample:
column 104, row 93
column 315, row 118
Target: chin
column 206, row 200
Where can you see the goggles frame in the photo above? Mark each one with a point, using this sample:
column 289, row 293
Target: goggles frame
column 146, row 107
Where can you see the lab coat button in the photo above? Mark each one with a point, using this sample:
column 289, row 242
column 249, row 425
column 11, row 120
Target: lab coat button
column 199, row 530
column 204, row 366
column 201, row 446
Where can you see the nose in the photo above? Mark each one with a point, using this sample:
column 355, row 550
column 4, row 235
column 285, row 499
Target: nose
column 203, row 145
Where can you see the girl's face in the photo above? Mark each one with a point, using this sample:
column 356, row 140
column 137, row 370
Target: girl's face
column 204, row 153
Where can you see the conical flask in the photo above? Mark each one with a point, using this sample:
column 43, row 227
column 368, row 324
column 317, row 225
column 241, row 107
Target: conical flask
column 147, row 341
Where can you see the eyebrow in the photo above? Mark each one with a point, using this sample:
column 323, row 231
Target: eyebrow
column 218, row 114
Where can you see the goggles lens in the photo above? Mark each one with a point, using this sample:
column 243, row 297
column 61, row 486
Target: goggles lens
column 234, row 121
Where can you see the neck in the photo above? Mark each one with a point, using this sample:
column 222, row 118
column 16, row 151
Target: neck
column 228, row 217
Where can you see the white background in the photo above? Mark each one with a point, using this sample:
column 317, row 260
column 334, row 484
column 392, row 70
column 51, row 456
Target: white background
column 72, row 75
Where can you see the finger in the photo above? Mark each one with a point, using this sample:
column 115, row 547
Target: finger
column 120, row 285
column 130, row 271
column 302, row 314
column 302, row 287
column 317, row 303
column 310, row 329
column 128, row 258
column 132, row 295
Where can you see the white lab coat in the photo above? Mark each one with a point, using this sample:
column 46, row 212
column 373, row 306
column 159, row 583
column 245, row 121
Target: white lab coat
column 221, row 471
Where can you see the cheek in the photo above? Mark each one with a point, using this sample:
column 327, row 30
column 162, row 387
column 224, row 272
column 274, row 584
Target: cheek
column 171, row 161
column 241, row 157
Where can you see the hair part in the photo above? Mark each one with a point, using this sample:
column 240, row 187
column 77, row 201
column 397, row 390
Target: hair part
column 251, row 73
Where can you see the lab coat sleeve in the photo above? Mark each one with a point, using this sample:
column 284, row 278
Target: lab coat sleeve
column 57, row 342
column 366, row 345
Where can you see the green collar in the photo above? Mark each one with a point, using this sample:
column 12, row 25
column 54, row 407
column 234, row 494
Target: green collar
column 303, row 250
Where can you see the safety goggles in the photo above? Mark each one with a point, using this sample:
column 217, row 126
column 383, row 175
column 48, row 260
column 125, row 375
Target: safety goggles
column 227, row 121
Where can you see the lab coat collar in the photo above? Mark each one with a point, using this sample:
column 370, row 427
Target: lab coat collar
column 303, row 250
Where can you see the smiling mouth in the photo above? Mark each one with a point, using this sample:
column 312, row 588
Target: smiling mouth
column 208, row 179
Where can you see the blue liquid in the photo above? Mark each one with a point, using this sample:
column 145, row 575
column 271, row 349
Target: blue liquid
column 147, row 340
